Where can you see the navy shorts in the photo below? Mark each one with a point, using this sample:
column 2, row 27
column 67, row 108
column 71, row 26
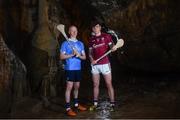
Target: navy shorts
column 73, row 75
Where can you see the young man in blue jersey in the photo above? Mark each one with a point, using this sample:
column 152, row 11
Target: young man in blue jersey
column 72, row 51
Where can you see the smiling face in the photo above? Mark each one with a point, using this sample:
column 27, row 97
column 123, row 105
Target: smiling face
column 97, row 29
column 73, row 32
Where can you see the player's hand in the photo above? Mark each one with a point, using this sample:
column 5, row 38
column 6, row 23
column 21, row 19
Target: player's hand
column 93, row 62
column 75, row 52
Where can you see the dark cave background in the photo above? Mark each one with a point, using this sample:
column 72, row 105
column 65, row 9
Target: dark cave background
column 29, row 44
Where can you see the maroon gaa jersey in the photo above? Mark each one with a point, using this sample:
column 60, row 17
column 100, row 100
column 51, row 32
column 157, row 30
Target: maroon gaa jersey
column 99, row 46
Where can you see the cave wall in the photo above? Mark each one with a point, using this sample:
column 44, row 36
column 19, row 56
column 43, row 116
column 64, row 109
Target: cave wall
column 150, row 29
column 28, row 57
column 13, row 83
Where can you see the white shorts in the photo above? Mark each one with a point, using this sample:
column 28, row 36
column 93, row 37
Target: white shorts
column 104, row 69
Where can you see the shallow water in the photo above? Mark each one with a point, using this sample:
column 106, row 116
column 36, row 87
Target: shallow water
column 136, row 97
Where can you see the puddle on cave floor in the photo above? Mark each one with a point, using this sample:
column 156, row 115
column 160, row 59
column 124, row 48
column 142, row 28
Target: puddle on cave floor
column 146, row 97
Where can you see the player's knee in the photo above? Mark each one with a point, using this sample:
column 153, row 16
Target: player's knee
column 76, row 87
column 96, row 85
column 69, row 87
column 109, row 85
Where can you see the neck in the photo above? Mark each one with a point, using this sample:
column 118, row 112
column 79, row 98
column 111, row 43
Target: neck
column 98, row 34
column 72, row 37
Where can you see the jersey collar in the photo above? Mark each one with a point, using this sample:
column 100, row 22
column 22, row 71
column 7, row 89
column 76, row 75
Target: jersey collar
column 73, row 39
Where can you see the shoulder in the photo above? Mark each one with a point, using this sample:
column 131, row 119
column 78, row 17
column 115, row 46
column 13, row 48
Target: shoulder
column 64, row 43
column 106, row 35
column 91, row 38
column 80, row 43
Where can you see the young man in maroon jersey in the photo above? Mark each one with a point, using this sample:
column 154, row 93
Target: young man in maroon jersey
column 98, row 45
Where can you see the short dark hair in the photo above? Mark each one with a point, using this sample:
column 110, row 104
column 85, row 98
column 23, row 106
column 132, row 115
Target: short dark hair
column 94, row 23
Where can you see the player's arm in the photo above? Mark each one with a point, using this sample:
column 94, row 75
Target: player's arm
column 63, row 52
column 64, row 56
column 91, row 57
column 111, row 43
column 82, row 55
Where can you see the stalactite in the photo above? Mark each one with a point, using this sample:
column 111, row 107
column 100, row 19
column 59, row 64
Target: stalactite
column 43, row 38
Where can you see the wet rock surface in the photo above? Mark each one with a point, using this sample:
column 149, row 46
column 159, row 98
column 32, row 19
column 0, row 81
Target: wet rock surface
column 13, row 82
column 141, row 99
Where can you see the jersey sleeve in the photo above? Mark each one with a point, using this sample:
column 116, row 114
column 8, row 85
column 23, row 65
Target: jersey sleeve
column 90, row 43
column 63, row 48
column 109, row 39
column 82, row 48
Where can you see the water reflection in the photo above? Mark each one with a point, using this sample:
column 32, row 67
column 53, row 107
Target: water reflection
column 137, row 97
column 104, row 110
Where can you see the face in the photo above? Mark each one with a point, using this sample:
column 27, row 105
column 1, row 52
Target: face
column 73, row 31
column 96, row 29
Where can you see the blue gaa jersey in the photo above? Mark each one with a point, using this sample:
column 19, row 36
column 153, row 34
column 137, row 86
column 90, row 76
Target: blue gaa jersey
column 73, row 63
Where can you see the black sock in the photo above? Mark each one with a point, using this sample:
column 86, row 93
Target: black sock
column 67, row 106
column 112, row 104
column 76, row 102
